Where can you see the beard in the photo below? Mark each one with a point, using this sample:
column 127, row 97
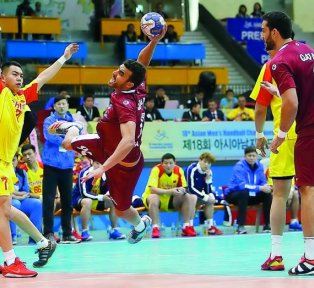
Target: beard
column 270, row 44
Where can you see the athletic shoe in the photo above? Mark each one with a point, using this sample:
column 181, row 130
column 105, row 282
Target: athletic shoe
column 241, row 230
column 156, row 232
column 135, row 236
column 44, row 254
column 17, row 270
column 295, row 226
column 266, row 229
column 116, row 235
column 52, row 237
column 305, row 267
column 84, row 236
column 70, row 240
column 213, row 230
column 188, row 231
column 62, row 127
column 77, row 235
column 275, row 264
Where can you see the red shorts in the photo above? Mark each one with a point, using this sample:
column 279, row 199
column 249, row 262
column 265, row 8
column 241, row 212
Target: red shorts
column 304, row 161
column 121, row 180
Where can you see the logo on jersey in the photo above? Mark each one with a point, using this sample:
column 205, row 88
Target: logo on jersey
column 126, row 102
column 273, row 67
column 84, row 151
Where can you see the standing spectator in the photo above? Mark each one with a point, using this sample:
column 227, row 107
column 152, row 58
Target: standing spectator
column 93, row 194
column 151, row 112
column 160, row 10
column 198, row 98
column 242, row 13
column 166, row 190
column 248, row 186
column 241, row 113
column 193, row 114
column 88, row 110
column 171, row 35
column 23, row 9
column 161, row 97
column 99, row 12
column 58, row 173
column 199, row 177
column 212, row 113
column 229, row 101
column 257, row 10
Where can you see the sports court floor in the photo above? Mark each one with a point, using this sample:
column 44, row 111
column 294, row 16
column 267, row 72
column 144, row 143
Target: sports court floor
column 211, row 261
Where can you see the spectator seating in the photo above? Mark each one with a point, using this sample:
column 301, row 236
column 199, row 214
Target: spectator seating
column 9, row 24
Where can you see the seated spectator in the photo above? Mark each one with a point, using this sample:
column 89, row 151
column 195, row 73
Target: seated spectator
column 126, row 36
column 160, row 98
column 229, row 101
column 200, row 179
column 88, row 110
column 257, row 10
column 241, row 113
column 151, row 112
column 21, row 200
column 198, row 98
column 165, row 191
column 248, row 186
column 171, row 35
column 242, row 13
column 160, row 10
column 93, row 194
column 38, row 12
column 193, row 114
column 212, row 113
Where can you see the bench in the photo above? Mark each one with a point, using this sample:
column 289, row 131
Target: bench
column 44, row 50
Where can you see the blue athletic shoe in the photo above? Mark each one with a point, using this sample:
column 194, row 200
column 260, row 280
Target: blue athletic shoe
column 115, row 234
column 85, row 236
column 295, row 226
column 135, row 236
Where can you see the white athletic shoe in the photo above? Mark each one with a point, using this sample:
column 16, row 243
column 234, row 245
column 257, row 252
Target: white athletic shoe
column 135, row 236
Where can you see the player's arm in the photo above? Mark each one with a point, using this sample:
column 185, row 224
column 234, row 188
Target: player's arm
column 147, row 52
column 260, row 117
column 52, row 70
column 289, row 109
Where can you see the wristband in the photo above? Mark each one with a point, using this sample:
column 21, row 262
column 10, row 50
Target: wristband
column 282, row 134
column 101, row 197
column 259, row 135
column 206, row 198
column 62, row 60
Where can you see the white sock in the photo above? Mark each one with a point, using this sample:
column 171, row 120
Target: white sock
column 276, row 243
column 210, row 222
column 9, row 257
column 84, row 230
column 42, row 243
column 294, row 221
column 309, row 248
column 185, row 225
column 191, row 223
column 155, row 226
column 140, row 226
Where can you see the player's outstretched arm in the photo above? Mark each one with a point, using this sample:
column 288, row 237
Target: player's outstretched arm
column 52, row 70
column 147, row 52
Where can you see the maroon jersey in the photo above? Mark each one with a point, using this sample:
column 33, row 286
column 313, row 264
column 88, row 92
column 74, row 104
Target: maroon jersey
column 293, row 67
column 125, row 106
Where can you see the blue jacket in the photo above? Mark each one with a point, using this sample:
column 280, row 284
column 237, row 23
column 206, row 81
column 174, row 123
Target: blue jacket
column 53, row 154
column 22, row 180
column 246, row 177
column 197, row 184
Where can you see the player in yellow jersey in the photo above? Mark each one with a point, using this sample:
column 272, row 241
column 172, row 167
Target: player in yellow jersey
column 13, row 101
column 281, row 167
column 166, row 191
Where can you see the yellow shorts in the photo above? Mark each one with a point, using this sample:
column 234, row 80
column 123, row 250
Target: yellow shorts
column 282, row 164
column 7, row 175
column 164, row 201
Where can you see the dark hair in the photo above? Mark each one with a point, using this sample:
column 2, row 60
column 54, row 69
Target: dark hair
column 9, row 64
column 149, row 98
column 280, row 21
column 242, row 6
column 138, row 71
column 168, row 156
column 249, row 149
column 62, row 88
column 229, row 90
column 59, row 98
column 28, row 147
column 88, row 96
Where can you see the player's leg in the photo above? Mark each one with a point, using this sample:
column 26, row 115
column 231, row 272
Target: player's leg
column 294, row 208
column 85, row 206
column 17, row 204
column 209, row 216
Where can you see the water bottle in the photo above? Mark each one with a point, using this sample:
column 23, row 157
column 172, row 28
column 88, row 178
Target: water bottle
column 148, row 232
column 18, row 235
column 179, row 229
column 173, row 230
column 162, row 230
column 205, row 228
column 235, row 225
column 60, row 233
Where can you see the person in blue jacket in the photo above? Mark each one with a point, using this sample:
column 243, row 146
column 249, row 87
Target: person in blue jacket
column 248, row 186
column 58, row 172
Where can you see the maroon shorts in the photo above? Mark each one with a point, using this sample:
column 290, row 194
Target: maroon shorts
column 121, row 180
column 304, row 161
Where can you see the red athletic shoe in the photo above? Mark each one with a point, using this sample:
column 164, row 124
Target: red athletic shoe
column 76, row 235
column 156, row 232
column 213, row 230
column 275, row 264
column 188, row 231
column 17, row 270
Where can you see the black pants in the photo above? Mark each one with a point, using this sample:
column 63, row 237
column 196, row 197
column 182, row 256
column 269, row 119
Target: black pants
column 53, row 178
column 242, row 200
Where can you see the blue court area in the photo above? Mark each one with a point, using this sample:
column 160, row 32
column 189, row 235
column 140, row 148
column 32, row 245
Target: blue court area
column 205, row 261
